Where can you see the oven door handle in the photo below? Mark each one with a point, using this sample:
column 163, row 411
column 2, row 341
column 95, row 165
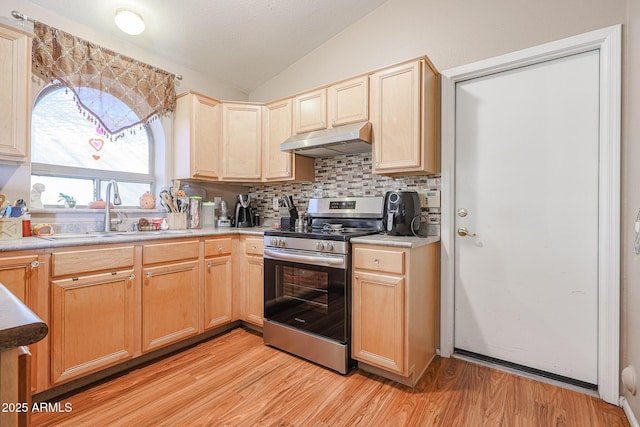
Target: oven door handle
column 303, row 258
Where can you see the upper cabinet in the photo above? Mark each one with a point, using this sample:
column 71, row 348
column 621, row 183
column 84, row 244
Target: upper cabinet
column 348, row 101
column 404, row 117
column 281, row 165
column 196, row 137
column 310, row 111
column 241, row 142
column 15, row 99
column 339, row 104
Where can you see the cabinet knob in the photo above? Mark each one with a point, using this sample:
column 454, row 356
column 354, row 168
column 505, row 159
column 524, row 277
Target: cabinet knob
column 376, row 164
column 254, row 247
column 219, row 248
column 132, row 276
column 148, row 274
column 376, row 261
column 209, row 264
column 35, row 264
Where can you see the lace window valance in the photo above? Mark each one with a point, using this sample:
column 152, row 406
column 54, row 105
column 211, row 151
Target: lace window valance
column 82, row 65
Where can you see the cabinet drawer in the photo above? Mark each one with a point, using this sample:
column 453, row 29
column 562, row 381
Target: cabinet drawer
column 388, row 261
column 217, row 247
column 166, row 252
column 85, row 261
column 254, row 246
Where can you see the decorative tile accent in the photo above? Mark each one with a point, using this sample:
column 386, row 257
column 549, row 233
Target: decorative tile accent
column 341, row 176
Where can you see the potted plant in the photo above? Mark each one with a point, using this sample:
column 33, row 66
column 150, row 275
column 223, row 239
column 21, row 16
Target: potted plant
column 69, row 201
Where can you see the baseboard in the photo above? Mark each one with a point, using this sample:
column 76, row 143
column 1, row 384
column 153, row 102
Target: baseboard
column 624, row 403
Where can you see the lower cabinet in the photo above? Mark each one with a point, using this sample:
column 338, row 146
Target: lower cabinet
column 170, row 302
column 92, row 323
column 395, row 309
column 218, row 283
column 252, row 279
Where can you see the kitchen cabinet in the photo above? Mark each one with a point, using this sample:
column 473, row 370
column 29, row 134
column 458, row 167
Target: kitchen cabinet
column 281, row 165
column 24, row 274
column 405, row 121
column 196, row 137
column 342, row 103
column 348, row 101
column 92, row 310
column 218, row 283
column 170, row 293
column 252, row 280
column 241, row 142
column 15, row 98
column 310, row 111
column 394, row 310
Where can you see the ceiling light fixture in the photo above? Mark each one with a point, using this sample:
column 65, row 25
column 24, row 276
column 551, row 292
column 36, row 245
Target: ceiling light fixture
column 129, row 21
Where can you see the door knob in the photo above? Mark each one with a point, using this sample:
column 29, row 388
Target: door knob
column 464, row 232
column 462, row 212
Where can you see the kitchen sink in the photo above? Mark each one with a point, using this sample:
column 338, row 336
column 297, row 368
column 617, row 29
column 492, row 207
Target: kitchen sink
column 102, row 234
column 90, row 235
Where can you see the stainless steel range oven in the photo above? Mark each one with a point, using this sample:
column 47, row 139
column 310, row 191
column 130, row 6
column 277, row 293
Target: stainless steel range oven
column 307, row 279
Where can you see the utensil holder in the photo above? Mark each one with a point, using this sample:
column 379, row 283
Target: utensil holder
column 177, row 221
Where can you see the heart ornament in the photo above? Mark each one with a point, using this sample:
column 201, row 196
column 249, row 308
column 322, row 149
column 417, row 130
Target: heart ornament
column 96, row 143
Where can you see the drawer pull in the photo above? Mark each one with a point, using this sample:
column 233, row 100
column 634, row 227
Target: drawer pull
column 132, row 276
column 35, row 264
column 376, row 261
column 219, row 248
column 253, row 248
column 209, row 264
column 148, row 274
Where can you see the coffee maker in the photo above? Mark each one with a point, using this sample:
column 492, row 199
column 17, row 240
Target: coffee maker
column 244, row 216
column 402, row 213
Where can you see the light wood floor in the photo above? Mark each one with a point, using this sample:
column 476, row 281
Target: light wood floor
column 235, row 380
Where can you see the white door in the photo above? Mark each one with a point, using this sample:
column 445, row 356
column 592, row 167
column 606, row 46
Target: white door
column 526, row 172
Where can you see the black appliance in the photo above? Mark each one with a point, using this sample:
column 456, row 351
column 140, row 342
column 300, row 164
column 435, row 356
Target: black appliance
column 402, row 213
column 245, row 216
column 307, row 280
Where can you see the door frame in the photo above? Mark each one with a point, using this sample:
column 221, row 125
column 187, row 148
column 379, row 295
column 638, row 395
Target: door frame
column 608, row 41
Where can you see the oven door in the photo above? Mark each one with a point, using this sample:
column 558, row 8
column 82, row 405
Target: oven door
column 307, row 292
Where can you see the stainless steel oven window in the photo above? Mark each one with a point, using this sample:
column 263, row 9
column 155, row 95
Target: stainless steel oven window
column 309, row 286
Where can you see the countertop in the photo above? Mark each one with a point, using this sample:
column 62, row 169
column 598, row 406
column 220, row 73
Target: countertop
column 18, row 325
column 44, row 242
column 30, row 243
column 397, row 241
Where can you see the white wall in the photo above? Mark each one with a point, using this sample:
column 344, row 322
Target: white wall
column 458, row 32
column 450, row 32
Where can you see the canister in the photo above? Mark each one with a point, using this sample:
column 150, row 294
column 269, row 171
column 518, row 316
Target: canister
column 208, row 214
column 195, row 206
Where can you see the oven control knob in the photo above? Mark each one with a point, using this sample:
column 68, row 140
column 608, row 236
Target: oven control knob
column 329, row 246
column 282, row 243
column 274, row 241
column 320, row 246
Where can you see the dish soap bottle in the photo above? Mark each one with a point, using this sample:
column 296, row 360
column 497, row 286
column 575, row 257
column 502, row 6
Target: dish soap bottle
column 164, row 225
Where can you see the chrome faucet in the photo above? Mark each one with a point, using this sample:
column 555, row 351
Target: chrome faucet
column 107, row 204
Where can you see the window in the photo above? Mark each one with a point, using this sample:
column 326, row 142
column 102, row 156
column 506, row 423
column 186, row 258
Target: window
column 70, row 155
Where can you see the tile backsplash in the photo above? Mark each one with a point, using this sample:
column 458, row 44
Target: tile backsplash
column 341, row 176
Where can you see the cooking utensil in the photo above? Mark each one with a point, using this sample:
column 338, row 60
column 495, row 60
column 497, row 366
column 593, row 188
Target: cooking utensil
column 166, row 197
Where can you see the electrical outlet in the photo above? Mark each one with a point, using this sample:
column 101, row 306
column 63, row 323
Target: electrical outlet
column 276, row 203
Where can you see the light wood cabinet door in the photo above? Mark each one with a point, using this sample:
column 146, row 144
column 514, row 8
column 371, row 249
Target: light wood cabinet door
column 196, row 133
column 277, row 128
column 404, row 118
column 17, row 273
column 15, row 99
column 254, row 290
column 310, row 111
column 218, row 292
column 92, row 323
column 379, row 318
column 169, row 304
column 348, row 101
column 241, row 142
